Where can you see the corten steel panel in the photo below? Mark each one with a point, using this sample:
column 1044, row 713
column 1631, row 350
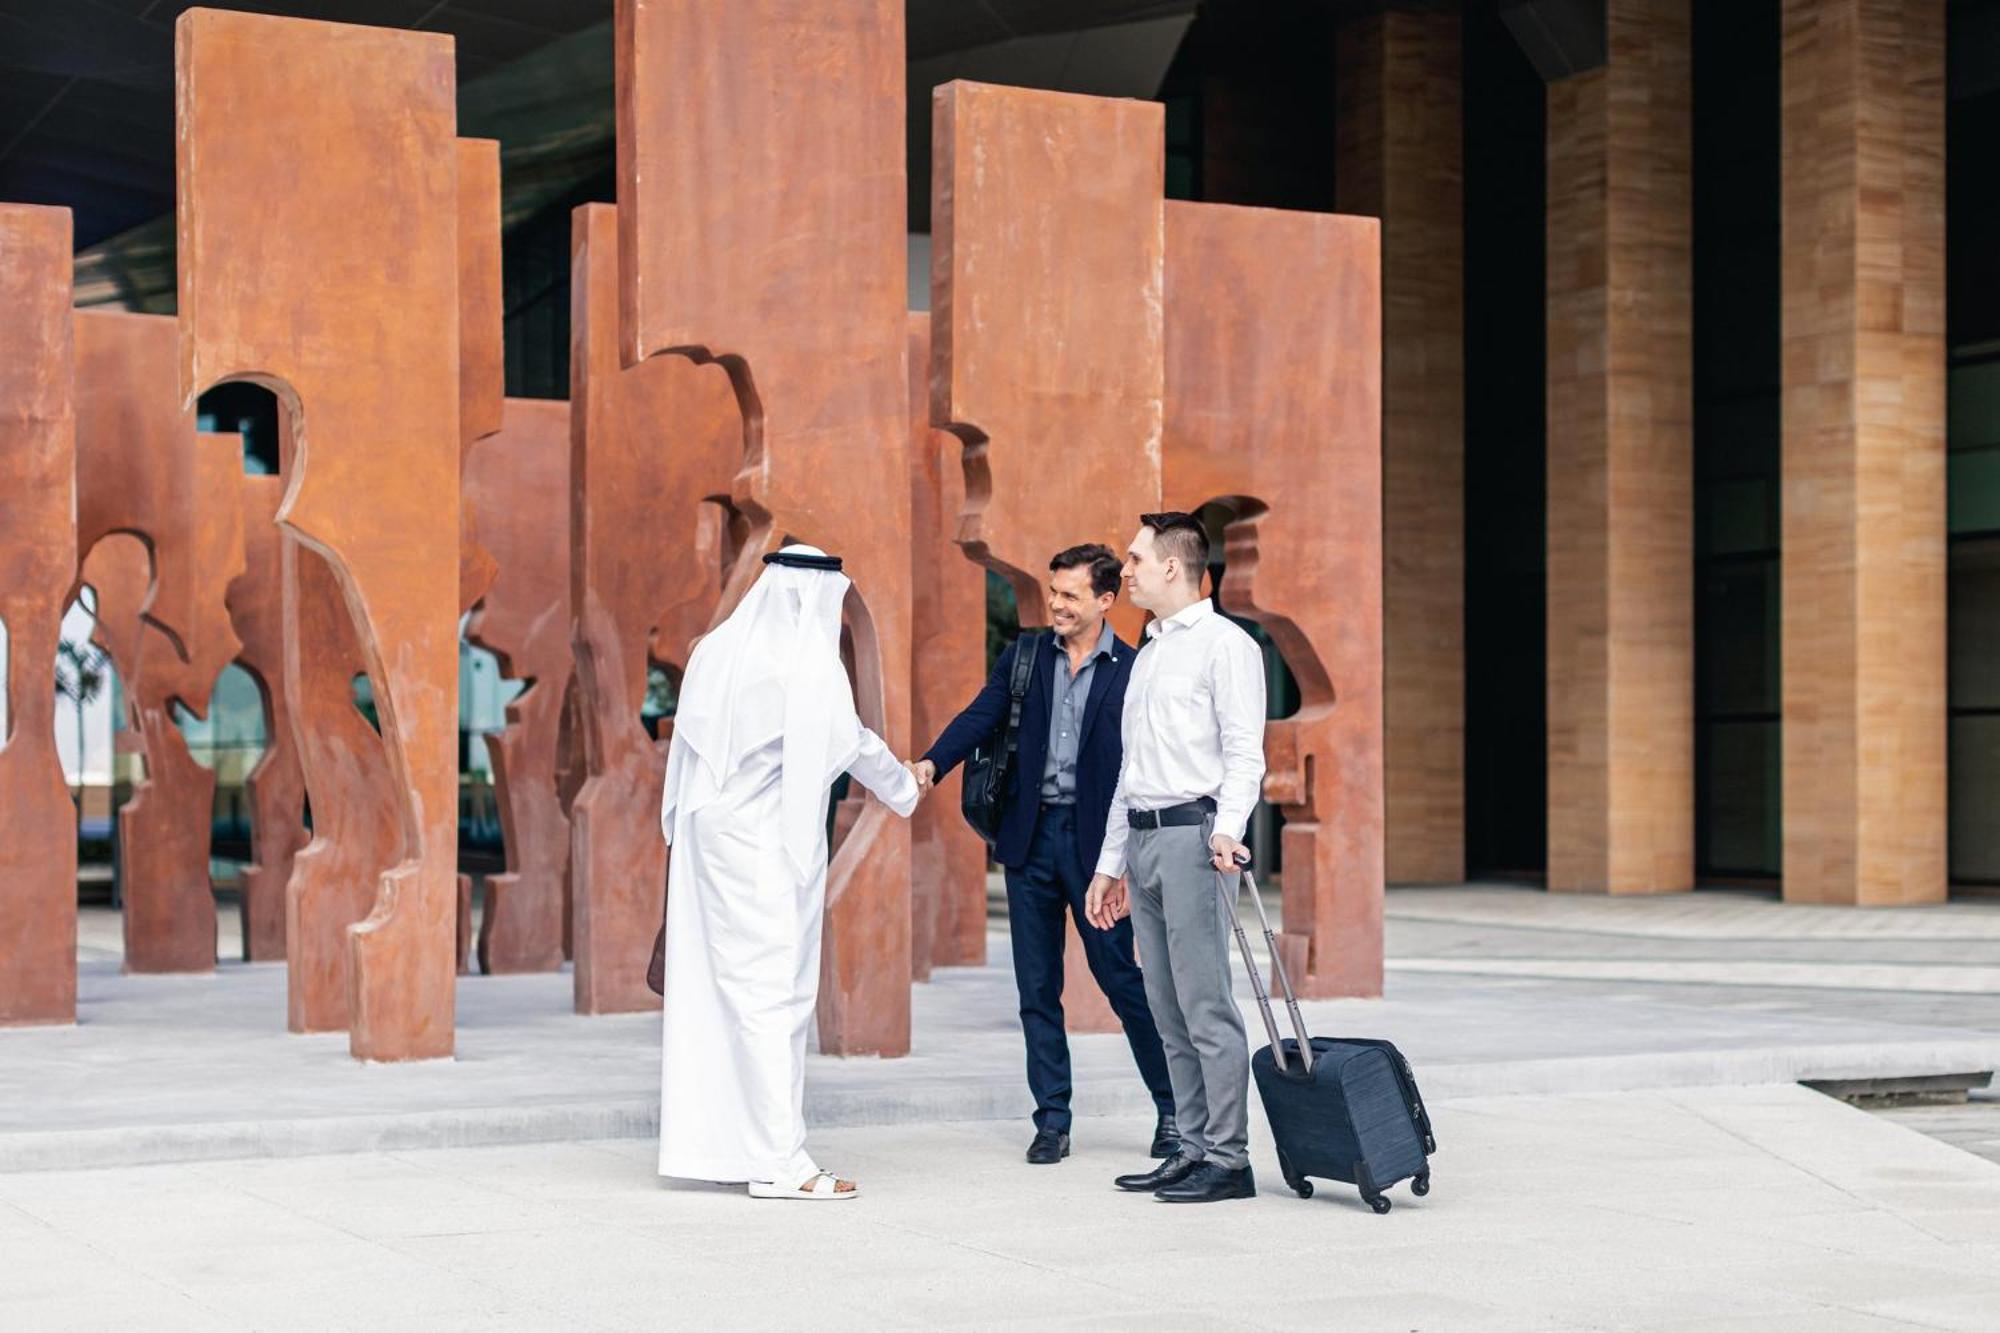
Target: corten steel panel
column 481, row 392
column 762, row 224
column 570, row 775
column 356, row 838
column 143, row 470
column 135, row 451
column 1274, row 381
column 318, row 208
column 948, row 666
column 648, row 446
column 517, row 491
column 1398, row 157
column 1864, row 524
column 1046, row 288
column 37, row 563
column 1620, row 628
column 164, row 830
column 481, row 353
column 276, row 785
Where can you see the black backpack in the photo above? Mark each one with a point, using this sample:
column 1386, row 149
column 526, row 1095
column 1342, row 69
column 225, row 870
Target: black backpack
column 983, row 798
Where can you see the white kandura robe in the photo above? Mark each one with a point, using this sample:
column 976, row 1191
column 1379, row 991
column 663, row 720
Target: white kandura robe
column 742, row 973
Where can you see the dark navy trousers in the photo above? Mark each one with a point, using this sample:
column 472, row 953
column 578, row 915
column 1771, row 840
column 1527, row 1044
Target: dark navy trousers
column 1050, row 886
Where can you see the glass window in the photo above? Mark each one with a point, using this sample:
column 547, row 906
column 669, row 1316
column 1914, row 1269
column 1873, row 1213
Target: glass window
column 1972, row 490
column 1975, row 799
column 1742, row 774
column 1973, row 403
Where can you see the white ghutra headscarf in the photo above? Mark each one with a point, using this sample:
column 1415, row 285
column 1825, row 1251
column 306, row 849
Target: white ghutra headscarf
column 772, row 668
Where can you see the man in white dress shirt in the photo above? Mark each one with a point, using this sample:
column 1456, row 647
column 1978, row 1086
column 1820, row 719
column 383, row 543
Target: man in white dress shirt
column 1194, row 768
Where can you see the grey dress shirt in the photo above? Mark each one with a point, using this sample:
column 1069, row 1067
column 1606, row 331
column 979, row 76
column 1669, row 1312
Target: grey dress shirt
column 1067, row 699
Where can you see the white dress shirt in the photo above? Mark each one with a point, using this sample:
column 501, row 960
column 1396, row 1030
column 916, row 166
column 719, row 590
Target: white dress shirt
column 1194, row 726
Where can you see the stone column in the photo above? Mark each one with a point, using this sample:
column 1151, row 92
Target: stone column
column 1620, row 469
column 1864, row 452
column 1399, row 153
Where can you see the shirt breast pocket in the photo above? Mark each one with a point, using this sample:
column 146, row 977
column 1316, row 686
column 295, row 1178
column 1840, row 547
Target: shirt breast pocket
column 1178, row 699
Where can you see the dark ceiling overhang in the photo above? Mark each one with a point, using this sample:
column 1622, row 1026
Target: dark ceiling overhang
column 86, row 96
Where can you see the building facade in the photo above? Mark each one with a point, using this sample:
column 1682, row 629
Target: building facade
column 1691, row 456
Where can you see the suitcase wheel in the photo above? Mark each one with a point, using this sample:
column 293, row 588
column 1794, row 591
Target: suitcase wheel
column 1293, row 1179
column 1421, row 1185
column 1380, row 1203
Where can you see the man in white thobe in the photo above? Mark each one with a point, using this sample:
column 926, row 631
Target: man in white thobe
column 765, row 723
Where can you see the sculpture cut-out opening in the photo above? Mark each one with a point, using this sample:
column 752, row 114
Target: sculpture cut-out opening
column 248, row 409
column 95, row 658
column 83, row 678
column 1003, row 617
column 1232, row 535
column 1231, row 524
column 229, row 742
column 364, row 700
column 663, row 690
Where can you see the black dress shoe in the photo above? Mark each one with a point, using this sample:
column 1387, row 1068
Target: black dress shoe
column 1209, row 1183
column 1175, row 1169
column 1166, row 1137
column 1050, row 1146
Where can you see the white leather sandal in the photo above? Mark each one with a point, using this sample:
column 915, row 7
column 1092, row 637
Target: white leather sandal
column 822, row 1188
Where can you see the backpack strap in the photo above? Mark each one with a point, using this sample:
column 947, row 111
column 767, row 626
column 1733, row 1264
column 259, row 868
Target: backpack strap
column 1027, row 649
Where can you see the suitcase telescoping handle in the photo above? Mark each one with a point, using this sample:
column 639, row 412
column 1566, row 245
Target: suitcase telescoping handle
column 1257, row 986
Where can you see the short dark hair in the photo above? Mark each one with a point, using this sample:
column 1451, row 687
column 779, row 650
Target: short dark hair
column 1103, row 561
column 1181, row 536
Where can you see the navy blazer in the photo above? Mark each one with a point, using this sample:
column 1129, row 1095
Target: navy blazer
column 1100, row 750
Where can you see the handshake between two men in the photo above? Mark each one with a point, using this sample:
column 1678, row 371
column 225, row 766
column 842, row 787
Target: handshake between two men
column 1105, row 901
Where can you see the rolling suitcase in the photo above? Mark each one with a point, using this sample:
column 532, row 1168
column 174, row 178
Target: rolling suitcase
column 1347, row 1111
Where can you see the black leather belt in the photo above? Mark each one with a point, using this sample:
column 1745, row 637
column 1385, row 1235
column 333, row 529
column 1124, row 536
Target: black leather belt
column 1174, row 816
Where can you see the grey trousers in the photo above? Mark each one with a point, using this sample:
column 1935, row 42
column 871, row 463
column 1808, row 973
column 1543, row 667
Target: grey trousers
column 1183, row 935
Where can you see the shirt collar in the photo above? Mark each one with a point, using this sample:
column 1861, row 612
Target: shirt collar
column 1107, row 642
column 1186, row 618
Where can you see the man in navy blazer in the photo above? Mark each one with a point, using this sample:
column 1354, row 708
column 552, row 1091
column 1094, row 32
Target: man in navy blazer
column 1064, row 774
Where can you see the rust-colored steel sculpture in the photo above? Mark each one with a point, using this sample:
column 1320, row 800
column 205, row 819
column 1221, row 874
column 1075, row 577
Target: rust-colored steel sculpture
column 277, row 785
column 481, row 391
column 37, row 563
column 947, row 667
column 356, row 837
column 135, row 444
column 570, row 774
column 142, row 469
column 649, row 447
column 340, row 292
column 481, row 350
column 1046, row 283
column 517, row 491
column 164, row 829
column 1273, row 392
column 768, row 231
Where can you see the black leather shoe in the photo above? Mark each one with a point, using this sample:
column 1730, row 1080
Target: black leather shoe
column 1170, row 1172
column 1209, row 1183
column 1050, row 1146
column 1166, row 1137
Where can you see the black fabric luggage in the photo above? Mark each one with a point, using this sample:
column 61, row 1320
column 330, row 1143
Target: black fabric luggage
column 1351, row 1112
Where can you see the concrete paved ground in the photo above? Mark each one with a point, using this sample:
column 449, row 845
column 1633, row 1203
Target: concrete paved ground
column 1490, row 990
column 1750, row 1208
